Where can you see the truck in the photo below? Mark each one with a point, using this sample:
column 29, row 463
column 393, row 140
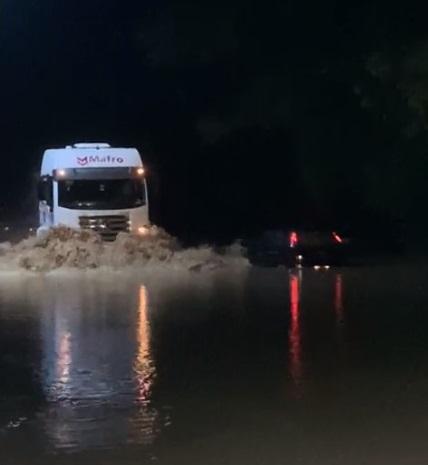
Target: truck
column 93, row 186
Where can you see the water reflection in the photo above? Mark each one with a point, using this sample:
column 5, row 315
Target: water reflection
column 97, row 366
column 144, row 417
column 142, row 365
column 176, row 362
column 338, row 298
column 320, row 290
column 294, row 335
column 64, row 358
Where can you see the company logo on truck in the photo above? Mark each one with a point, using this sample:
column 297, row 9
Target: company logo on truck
column 90, row 159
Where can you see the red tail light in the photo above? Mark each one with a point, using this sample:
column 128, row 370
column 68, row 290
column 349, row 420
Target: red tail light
column 337, row 238
column 293, row 239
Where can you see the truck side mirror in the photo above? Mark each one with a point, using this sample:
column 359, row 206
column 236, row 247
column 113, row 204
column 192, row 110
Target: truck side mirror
column 45, row 190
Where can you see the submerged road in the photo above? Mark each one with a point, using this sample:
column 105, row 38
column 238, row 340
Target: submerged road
column 258, row 366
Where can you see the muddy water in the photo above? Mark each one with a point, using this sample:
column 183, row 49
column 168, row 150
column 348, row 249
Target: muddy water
column 229, row 367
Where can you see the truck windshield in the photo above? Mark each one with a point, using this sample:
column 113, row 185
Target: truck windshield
column 101, row 194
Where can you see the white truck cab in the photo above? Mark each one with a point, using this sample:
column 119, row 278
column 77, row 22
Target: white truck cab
column 93, row 186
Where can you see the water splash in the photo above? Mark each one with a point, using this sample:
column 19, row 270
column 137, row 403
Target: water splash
column 68, row 248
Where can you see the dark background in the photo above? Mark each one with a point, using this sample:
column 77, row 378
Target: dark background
column 249, row 115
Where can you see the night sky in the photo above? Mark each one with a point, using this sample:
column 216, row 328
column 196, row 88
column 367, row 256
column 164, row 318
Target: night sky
column 249, row 115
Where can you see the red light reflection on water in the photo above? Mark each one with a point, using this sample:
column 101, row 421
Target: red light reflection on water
column 294, row 336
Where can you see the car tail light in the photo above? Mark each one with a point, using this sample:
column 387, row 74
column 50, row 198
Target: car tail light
column 293, row 239
column 337, row 238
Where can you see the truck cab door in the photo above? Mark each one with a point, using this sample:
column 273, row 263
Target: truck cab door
column 45, row 194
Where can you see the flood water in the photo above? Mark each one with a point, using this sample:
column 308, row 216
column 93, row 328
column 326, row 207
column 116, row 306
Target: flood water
column 256, row 366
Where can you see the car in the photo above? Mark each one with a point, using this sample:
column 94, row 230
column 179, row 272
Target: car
column 293, row 247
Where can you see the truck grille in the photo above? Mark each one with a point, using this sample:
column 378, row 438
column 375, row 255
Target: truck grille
column 108, row 226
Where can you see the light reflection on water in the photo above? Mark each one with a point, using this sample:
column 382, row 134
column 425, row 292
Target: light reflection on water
column 63, row 358
column 322, row 285
column 294, row 336
column 145, row 415
column 96, row 368
column 202, row 369
column 143, row 366
column 338, row 298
